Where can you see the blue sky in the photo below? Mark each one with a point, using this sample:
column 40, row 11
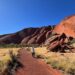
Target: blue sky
column 18, row 14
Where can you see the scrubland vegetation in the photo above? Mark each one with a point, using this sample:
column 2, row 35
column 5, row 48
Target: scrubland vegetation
column 17, row 45
column 7, row 56
column 65, row 62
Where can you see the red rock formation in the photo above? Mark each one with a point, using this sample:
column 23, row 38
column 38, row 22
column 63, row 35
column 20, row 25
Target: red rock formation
column 32, row 40
column 38, row 37
column 27, row 36
column 42, row 34
column 66, row 26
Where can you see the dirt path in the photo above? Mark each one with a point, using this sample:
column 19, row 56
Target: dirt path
column 33, row 66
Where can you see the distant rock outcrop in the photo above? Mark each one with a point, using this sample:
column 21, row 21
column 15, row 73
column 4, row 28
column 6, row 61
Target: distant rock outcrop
column 63, row 34
column 38, row 37
column 47, row 35
column 27, row 36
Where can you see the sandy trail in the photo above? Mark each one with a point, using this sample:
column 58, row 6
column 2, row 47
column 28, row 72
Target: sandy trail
column 33, row 66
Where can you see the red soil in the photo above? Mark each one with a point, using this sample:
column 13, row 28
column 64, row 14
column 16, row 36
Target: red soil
column 33, row 66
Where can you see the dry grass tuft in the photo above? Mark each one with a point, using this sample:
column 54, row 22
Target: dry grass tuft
column 62, row 61
column 5, row 57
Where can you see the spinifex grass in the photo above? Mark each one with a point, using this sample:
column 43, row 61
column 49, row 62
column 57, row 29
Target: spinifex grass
column 62, row 61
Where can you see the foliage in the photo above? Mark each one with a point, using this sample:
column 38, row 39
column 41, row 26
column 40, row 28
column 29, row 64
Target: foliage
column 13, row 64
column 71, row 42
column 17, row 45
column 7, row 57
